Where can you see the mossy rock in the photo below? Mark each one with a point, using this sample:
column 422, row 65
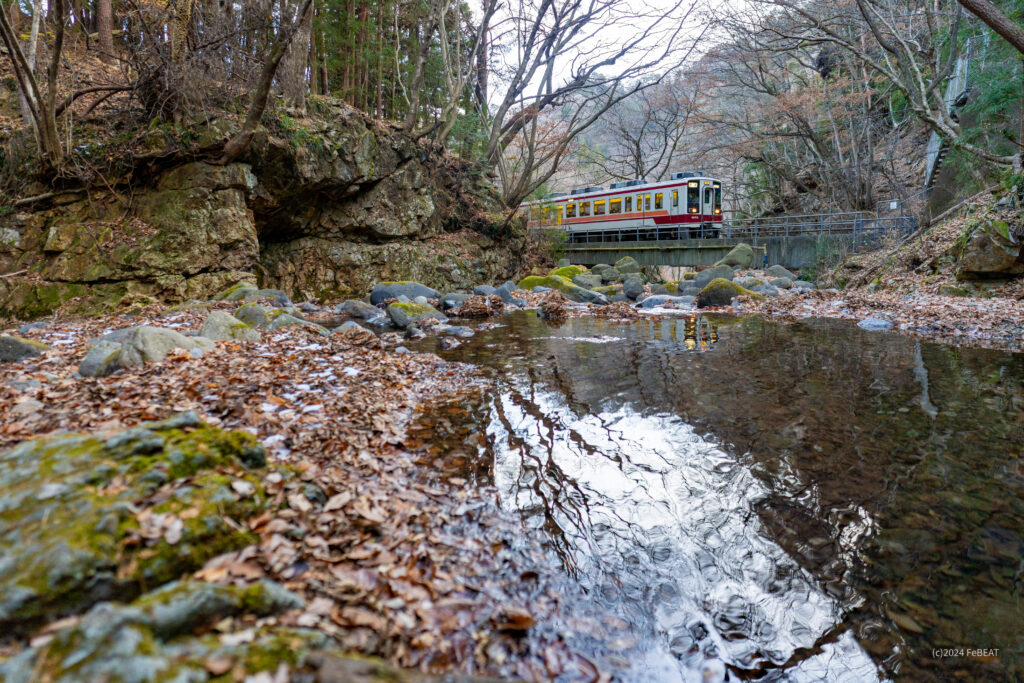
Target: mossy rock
column 237, row 292
column 721, row 292
column 609, row 290
column 568, row 272
column 690, row 275
column 672, row 287
column 14, row 348
column 563, row 285
column 627, row 264
column 741, row 255
column 78, row 519
column 405, row 314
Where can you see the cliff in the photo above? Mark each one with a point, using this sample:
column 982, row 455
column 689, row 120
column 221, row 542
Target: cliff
column 321, row 208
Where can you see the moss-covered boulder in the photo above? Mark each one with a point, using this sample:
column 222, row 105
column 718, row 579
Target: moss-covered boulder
column 989, row 250
column 719, row 271
column 85, row 519
column 563, row 285
column 609, row 290
column 721, row 292
column 778, row 271
column 627, row 264
column 741, row 255
column 587, row 280
column 18, row 348
column 404, row 315
column 568, row 272
column 690, row 275
column 224, row 326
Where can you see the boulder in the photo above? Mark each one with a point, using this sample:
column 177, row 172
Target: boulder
column 568, row 272
column 146, row 344
column 563, row 285
column 408, row 315
column 484, row 290
column 610, row 274
column 661, row 289
column 280, row 320
column 627, row 264
column 801, row 284
column 101, row 359
column 455, row 330
column 608, row 290
column 308, row 307
column 29, row 327
column 705, row 276
column 253, row 315
column 359, row 309
column 633, row 285
column 619, row 297
column 600, row 268
column 687, row 289
column 79, row 520
column 562, row 262
column 224, row 326
column 662, row 299
column 690, row 275
column 779, row 271
column 453, row 300
column 752, row 282
column 407, row 288
column 767, row 290
column 874, row 324
column 991, row 250
column 18, row 348
column 587, row 280
column 782, row 283
column 741, row 256
column 721, row 292
column 237, row 292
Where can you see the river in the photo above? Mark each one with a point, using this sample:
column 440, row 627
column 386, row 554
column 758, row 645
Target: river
column 758, row 500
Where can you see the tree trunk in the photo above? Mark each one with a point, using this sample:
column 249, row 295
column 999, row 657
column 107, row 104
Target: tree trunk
column 292, row 74
column 105, row 29
column 179, row 30
column 33, row 43
column 997, row 21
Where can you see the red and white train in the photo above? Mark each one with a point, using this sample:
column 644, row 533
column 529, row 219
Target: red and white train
column 687, row 206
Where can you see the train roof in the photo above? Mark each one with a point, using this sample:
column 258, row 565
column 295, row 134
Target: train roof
column 586, row 193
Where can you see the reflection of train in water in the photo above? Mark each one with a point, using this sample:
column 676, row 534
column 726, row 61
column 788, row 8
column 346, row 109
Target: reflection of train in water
column 700, row 333
column 687, row 206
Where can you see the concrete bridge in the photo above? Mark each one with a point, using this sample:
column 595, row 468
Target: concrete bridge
column 790, row 241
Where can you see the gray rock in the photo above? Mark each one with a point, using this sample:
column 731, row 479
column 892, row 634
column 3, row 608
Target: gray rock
column 752, row 282
column 359, row 309
column 688, row 289
column 991, row 250
column 9, row 237
column 659, row 289
column 405, row 316
column 308, row 307
column 453, row 300
column 801, row 284
column 627, row 264
column 662, row 299
column 402, row 349
column 146, row 344
column 455, row 330
column 26, row 407
column 739, row 256
column 23, row 384
column 279, row 297
column 521, row 303
column 633, row 285
column 17, row 348
column 507, row 292
column 599, row 268
column 874, row 324
column 37, row 325
column 587, row 280
column 562, row 263
column 779, row 271
column 767, row 290
column 393, row 290
column 101, row 360
column 619, row 297
column 782, row 283
column 540, row 290
column 403, row 299
column 610, row 275
column 420, row 300
column 252, row 315
column 484, row 290
column 220, row 325
column 284, row 320
column 707, row 275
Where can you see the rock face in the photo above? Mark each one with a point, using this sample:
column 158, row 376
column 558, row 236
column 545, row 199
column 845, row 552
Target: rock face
column 71, row 538
column 355, row 203
column 991, row 250
column 15, row 349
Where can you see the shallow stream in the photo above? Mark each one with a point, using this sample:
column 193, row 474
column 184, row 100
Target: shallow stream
column 782, row 502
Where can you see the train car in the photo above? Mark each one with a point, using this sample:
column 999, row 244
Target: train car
column 687, row 206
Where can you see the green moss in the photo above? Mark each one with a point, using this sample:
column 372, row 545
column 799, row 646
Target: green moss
column 568, row 272
column 672, row 287
column 720, row 292
column 608, row 290
column 414, row 309
column 558, row 282
column 690, row 275
column 233, row 292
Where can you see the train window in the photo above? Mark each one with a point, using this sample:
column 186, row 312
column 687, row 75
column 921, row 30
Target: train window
column 584, row 208
column 675, row 198
column 599, row 208
column 570, row 210
column 629, row 204
column 614, row 206
column 692, row 198
column 558, row 215
column 647, row 202
column 658, row 199
column 718, row 198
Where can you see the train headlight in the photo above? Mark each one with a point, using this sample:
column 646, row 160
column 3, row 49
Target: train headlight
column 717, row 211
column 693, row 210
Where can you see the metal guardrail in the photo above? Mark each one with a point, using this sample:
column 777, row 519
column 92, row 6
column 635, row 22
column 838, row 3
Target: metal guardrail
column 864, row 225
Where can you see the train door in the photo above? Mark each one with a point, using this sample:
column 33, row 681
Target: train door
column 707, row 208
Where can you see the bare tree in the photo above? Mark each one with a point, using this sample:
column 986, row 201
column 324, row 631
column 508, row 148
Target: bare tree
column 105, row 29
column 292, row 72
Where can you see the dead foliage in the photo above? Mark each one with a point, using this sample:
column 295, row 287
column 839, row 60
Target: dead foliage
column 479, row 307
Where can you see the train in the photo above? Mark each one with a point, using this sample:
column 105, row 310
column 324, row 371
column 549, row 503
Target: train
column 687, row 206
